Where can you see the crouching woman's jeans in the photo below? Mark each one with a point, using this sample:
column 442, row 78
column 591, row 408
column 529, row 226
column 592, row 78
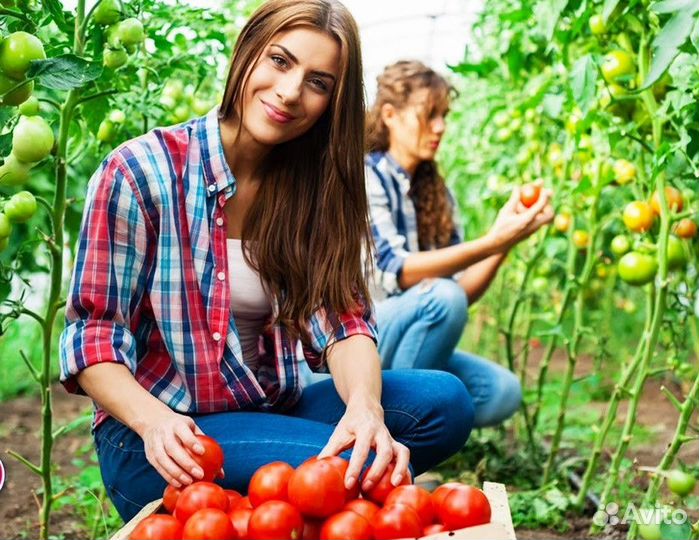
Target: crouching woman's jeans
column 428, row 411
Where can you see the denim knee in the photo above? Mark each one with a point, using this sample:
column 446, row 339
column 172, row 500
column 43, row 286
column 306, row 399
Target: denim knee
column 456, row 408
column 447, row 301
column 505, row 401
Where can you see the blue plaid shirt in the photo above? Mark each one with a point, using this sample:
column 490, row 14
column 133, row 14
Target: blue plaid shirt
column 393, row 221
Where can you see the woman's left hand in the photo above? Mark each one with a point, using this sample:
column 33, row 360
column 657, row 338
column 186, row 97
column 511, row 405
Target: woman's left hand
column 362, row 427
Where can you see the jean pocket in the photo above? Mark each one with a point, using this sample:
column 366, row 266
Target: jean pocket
column 126, row 507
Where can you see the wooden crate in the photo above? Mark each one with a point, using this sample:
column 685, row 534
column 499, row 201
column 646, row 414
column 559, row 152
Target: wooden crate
column 499, row 528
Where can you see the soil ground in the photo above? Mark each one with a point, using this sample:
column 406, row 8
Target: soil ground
column 20, row 422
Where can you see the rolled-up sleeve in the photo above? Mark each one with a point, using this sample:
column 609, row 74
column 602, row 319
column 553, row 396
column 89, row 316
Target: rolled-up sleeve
column 109, row 276
column 390, row 252
column 326, row 327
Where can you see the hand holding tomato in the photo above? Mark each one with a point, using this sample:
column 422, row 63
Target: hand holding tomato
column 170, row 442
column 515, row 221
column 363, row 428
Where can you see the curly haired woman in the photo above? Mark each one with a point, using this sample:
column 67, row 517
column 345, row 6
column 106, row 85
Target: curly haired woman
column 426, row 274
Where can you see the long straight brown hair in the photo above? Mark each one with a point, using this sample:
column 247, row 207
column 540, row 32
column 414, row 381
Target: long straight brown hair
column 308, row 226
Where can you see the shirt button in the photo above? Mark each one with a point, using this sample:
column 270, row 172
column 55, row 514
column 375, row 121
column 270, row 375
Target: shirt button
column 216, row 336
column 221, row 276
column 212, row 188
column 219, row 221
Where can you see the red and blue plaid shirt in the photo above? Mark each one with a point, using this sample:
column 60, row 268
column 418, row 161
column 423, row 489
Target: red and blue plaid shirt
column 150, row 284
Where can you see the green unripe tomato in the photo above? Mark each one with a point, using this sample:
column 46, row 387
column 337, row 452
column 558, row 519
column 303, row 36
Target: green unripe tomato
column 30, row 107
column 676, row 255
column 32, row 139
column 117, row 116
column 130, row 32
column 174, row 88
column 501, row 119
column 540, row 285
column 637, row 268
column 5, row 226
column 680, row 482
column 503, row 134
column 107, row 12
column 17, row 51
column 650, row 531
column 620, row 245
column 15, row 97
column 597, row 25
column 112, row 34
column 617, row 64
column 114, row 58
column 106, row 131
column 201, row 106
column 14, row 172
column 21, row 207
column 181, row 113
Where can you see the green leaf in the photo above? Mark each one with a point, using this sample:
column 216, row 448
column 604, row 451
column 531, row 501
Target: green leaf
column 672, row 6
column 64, row 72
column 666, row 45
column 608, row 8
column 547, row 13
column 60, row 17
column 483, row 68
column 583, row 78
column 676, row 531
column 553, row 104
column 694, row 37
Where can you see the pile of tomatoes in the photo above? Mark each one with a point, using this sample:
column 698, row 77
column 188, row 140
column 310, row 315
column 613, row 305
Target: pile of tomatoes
column 309, row 502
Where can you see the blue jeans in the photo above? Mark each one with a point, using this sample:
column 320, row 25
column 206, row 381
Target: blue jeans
column 428, row 411
column 421, row 328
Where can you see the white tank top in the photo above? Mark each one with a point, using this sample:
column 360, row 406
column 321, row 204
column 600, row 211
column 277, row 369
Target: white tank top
column 250, row 304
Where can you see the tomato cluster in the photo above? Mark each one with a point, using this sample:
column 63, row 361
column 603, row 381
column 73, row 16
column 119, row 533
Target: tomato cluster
column 310, row 502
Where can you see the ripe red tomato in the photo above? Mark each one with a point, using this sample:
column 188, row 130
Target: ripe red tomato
column 416, row 498
column 363, row 507
column 396, row 521
column 197, row 496
column 157, row 527
column 211, row 461
column 529, row 194
column 243, row 503
column 209, row 524
column 240, row 518
column 341, row 465
column 273, row 520
column 673, row 198
column 383, row 487
column 686, row 228
column 269, row 483
column 464, row 506
column 346, row 526
column 317, row 489
column 438, row 494
column 435, row 528
column 233, row 498
column 170, row 496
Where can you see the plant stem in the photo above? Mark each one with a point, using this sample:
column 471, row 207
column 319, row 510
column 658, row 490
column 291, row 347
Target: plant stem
column 578, row 320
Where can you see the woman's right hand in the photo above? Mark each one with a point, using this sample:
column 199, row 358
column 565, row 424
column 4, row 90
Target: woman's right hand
column 515, row 222
column 169, row 442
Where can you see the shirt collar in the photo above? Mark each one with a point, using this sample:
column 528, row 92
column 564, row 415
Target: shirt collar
column 397, row 171
column 217, row 174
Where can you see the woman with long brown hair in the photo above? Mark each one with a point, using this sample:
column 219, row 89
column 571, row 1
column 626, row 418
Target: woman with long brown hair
column 426, row 274
column 209, row 249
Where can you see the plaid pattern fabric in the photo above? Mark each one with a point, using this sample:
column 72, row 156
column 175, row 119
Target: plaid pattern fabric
column 150, row 284
column 393, row 221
